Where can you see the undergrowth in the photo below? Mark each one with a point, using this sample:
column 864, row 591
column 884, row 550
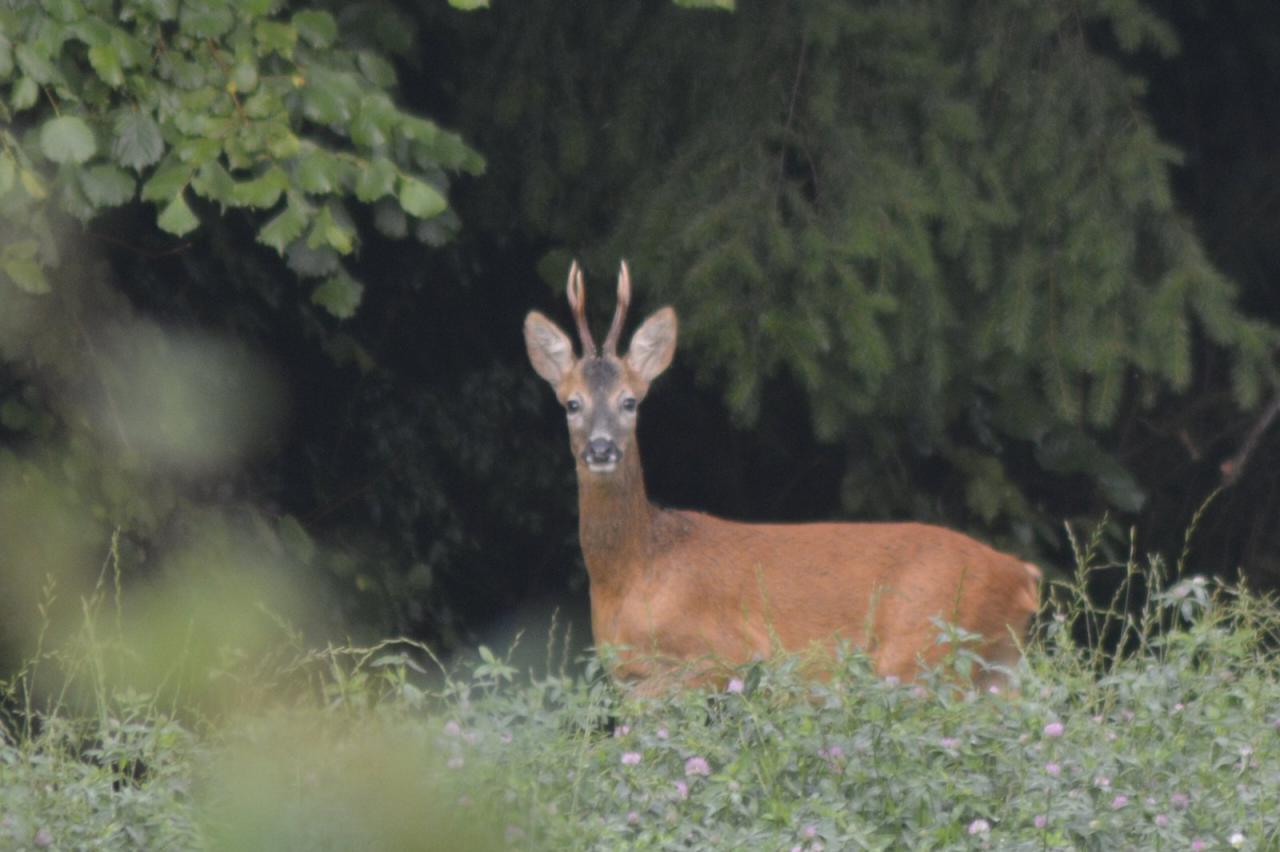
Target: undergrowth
column 1147, row 721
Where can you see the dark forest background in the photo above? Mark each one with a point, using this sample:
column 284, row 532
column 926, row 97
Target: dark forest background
column 263, row 267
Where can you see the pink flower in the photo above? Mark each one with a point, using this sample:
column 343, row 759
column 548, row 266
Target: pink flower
column 1119, row 802
column 630, row 758
column 621, row 731
column 735, row 686
column 1054, row 729
column 1053, row 769
column 1180, row 800
column 809, row 832
column 1199, row 845
column 633, row 818
column 661, row 733
column 696, row 766
column 43, row 838
column 1102, row 782
column 1041, row 821
column 1162, row 820
column 949, row 742
column 979, row 826
column 452, row 728
column 682, row 790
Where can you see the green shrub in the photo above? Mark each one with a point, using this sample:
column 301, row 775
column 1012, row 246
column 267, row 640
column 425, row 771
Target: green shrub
column 1165, row 737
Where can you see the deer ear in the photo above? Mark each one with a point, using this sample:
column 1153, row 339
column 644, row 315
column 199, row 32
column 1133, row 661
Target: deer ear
column 550, row 350
column 653, row 345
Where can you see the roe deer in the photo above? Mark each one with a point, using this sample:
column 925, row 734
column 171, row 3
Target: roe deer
column 672, row 587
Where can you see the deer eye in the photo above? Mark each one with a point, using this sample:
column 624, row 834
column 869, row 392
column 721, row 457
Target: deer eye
column 629, row 404
column 573, row 406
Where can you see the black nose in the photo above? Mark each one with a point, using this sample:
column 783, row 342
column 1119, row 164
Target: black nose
column 601, row 451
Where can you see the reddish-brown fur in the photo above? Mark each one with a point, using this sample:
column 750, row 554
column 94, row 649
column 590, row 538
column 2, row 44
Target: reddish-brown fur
column 672, row 588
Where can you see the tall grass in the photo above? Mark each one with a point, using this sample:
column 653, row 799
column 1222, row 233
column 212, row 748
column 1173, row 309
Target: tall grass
column 1150, row 720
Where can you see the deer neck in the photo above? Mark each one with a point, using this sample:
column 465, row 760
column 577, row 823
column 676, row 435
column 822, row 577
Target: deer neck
column 614, row 518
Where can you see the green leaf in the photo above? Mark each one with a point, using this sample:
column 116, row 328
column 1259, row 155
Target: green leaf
column 421, row 199
column 67, row 139
column 318, row 29
column 167, row 182
column 212, row 181
column 32, row 184
column 726, row 5
column 74, row 201
column 177, row 218
column 326, row 230
column 24, row 94
column 318, row 172
column 369, row 128
column 323, row 105
column 34, row 64
column 105, row 60
column 274, row 36
column 137, row 142
column 206, row 18
column 376, row 180
column 285, row 227
column 281, row 142
column 107, row 185
column 64, row 10
column 19, row 262
column 244, row 77
column 469, row 5
column 262, row 191
column 376, row 69
column 164, row 10
column 340, row 295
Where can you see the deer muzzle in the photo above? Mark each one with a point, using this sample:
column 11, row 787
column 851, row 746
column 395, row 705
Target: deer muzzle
column 601, row 455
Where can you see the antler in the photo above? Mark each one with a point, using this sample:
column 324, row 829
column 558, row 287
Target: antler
column 578, row 302
column 620, row 312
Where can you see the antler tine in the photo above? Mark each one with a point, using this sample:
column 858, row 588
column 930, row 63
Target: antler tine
column 578, row 302
column 620, row 312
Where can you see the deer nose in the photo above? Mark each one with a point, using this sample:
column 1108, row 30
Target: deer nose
column 601, row 451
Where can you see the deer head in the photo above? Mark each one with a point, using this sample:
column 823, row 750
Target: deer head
column 601, row 391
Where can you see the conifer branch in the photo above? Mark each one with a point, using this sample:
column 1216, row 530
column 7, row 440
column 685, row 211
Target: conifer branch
column 791, row 109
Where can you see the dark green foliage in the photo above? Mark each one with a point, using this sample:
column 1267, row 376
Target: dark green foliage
column 945, row 224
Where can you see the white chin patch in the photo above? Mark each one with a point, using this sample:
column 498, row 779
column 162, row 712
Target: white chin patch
column 602, row 467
